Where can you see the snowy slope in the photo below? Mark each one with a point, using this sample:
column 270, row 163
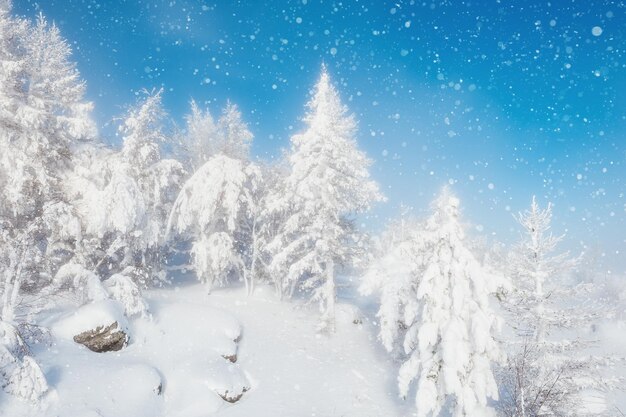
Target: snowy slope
column 288, row 368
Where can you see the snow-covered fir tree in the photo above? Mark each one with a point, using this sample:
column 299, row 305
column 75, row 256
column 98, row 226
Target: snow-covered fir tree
column 327, row 182
column 441, row 299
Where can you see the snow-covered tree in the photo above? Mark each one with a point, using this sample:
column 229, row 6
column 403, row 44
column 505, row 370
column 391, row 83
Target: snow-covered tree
column 124, row 198
column 328, row 181
column 142, row 133
column 43, row 117
column 20, row 375
column 440, row 296
column 220, row 207
column 42, row 111
column 234, row 138
column 393, row 274
column 548, row 372
column 204, row 137
column 211, row 209
column 536, row 272
column 199, row 137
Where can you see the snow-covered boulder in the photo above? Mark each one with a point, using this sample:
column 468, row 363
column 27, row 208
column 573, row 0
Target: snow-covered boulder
column 103, row 339
column 100, row 326
column 228, row 381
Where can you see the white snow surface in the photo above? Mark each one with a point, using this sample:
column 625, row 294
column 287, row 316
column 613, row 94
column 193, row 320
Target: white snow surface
column 283, row 364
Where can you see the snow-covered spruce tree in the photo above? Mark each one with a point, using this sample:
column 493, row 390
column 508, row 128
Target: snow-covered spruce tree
column 219, row 207
column 441, row 297
column 42, row 117
column 327, row 182
column 547, row 372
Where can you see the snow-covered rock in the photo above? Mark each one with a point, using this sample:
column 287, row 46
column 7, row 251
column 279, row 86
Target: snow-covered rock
column 227, row 381
column 100, row 326
column 103, row 339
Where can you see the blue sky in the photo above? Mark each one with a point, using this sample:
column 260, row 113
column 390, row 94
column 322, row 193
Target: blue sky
column 503, row 99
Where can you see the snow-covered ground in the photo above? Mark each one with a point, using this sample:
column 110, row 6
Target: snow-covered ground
column 287, row 368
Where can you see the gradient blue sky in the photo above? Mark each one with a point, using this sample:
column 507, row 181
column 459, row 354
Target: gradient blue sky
column 503, row 99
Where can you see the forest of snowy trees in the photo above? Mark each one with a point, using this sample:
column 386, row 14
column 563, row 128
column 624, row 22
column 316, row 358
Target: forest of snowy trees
column 476, row 330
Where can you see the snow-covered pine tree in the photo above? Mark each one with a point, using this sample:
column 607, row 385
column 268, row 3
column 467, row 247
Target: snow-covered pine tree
column 547, row 372
column 441, row 298
column 535, row 270
column 327, row 182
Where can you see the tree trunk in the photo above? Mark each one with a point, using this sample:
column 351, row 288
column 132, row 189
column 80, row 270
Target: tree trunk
column 329, row 295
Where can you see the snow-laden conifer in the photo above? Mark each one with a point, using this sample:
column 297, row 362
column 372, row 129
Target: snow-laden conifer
column 328, row 180
column 438, row 302
column 548, row 371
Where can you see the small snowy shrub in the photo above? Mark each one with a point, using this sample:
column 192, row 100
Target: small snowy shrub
column 123, row 289
column 19, row 373
column 84, row 283
column 26, row 380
